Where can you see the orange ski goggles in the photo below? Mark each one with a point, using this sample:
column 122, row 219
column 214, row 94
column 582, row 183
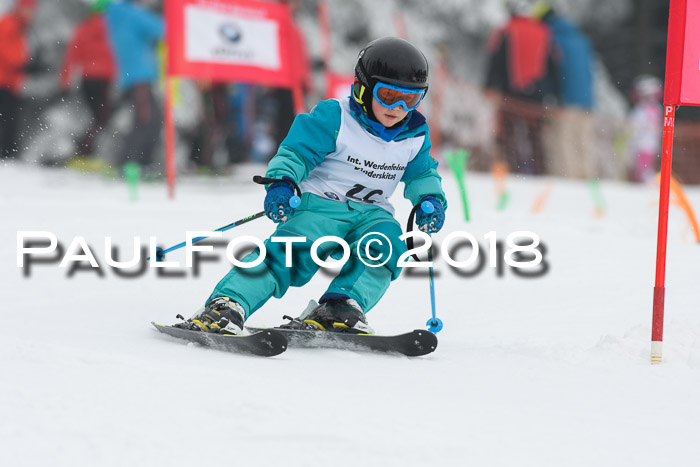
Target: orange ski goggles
column 391, row 96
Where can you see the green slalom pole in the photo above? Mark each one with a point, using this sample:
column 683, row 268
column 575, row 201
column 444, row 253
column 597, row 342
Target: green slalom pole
column 132, row 175
column 503, row 199
column 597, row 194
column 457, row 160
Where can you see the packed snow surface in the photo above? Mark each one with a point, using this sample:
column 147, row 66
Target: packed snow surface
column 545, row 371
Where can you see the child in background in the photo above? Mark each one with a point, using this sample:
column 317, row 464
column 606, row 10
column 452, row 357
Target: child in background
column 645, row 121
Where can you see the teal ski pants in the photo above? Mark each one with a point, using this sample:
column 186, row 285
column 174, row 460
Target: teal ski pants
column 317, row 217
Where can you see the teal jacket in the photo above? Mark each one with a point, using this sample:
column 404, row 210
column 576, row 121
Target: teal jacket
column 134, row 33
column 313, row 136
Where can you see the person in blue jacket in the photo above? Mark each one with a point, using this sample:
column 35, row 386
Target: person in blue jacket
column 570, row 140
column 134, row 32
column 348, row 157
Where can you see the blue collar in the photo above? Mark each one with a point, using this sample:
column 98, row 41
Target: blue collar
column 376, row 128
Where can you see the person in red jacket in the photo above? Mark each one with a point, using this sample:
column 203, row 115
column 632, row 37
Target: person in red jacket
column 520, row 67
column 90, row 52
column 14, row 57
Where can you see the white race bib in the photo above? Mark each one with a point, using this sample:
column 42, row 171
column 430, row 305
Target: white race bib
column 364, row 168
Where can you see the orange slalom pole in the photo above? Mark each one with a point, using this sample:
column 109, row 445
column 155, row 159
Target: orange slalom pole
column 685, row 205
column 541, row 199
column 657, row 323
column 499, row 171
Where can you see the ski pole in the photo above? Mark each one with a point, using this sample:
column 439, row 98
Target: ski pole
column 160, row 252
column 434, row 323
column 294, row 202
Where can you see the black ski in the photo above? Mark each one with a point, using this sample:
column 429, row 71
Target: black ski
column 412, row 344
column 266, row 342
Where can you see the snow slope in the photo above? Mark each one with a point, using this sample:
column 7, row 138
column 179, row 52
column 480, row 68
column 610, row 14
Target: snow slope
column 531, row 372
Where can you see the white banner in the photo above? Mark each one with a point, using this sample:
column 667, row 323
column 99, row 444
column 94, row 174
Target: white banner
column 224, row 38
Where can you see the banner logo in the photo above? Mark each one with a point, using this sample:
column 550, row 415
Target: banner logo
column 230, row 32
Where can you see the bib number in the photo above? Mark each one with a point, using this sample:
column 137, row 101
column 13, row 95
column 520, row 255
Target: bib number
column 356, row 191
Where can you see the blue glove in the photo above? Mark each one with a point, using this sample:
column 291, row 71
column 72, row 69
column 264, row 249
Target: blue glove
column 430, row 222
column 277, row 205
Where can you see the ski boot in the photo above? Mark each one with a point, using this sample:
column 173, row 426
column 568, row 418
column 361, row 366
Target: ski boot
column 335, row 315
column 220, row 315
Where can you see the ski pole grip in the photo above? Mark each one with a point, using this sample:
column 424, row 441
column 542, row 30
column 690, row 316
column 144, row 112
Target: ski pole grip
column 427, row 207
column 294, row 201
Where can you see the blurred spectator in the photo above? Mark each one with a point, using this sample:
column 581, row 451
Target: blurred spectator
column 90, row 52
column 520, row 61
column 284, row 98
column 14, row 58
column 645, row 121
column 570, row 130
column 212, row 131
column 241, row 123
column 266, row 122
column 134, row 32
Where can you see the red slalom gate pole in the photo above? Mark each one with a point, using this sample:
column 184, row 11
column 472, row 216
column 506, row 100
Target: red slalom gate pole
column 439, row 91
column 324, row 21
column 298, row 97
column 657, row 324
column 169, row 137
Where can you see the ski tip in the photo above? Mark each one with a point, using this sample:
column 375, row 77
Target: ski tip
column 266, row 343
column 272, row 342
column 425, row 342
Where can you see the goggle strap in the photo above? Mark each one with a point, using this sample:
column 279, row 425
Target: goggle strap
column 358, row 90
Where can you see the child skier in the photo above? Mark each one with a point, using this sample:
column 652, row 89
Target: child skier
column 348, row 157
column 645, row 119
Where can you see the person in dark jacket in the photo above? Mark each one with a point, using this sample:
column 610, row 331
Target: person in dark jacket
column 14, row 58
column 520, row 62
column 90, row 52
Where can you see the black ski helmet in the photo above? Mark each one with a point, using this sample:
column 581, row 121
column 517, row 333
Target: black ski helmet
column 390, row 60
